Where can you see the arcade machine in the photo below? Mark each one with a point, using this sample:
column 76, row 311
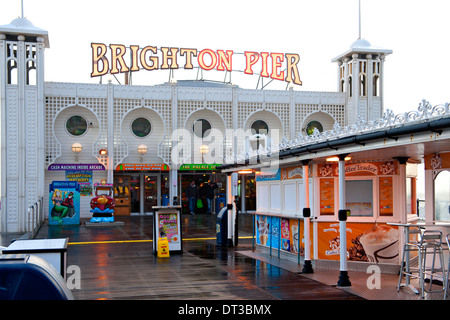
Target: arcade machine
column 103, row 203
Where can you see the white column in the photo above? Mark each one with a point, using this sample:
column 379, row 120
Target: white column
column 110, row 134
column 343, row 274
column 307, row 268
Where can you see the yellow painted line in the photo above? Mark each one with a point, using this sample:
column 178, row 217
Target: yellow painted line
column 136, row 241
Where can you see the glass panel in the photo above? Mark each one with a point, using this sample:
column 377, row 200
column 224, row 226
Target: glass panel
column 141, row 127
column 359, row 197
column 76, row 125
column 260, row 127
column 135, row 193
column 327, row 197
column 201, row 128
column 386, row 197
column 151, row 192
column 442, row 196
column 313, row 125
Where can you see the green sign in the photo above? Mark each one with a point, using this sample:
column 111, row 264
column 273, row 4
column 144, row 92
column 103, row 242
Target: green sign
column 202, row 166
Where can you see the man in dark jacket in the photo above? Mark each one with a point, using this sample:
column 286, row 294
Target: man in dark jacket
column 209, row 194
column 192, row 195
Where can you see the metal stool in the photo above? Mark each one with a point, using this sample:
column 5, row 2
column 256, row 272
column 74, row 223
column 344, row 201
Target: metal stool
column 405, row 267
column 430, row 244
column 448, row 268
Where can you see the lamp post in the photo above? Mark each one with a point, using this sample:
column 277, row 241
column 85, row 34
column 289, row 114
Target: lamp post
column 142, row 149
column 203, row 149
column 76, row 149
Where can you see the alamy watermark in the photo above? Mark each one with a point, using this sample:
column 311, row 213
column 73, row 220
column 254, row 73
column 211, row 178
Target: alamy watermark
column 217, row 147
column 374, row 280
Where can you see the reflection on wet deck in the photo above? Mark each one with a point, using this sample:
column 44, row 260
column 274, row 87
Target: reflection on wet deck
column 117, row 263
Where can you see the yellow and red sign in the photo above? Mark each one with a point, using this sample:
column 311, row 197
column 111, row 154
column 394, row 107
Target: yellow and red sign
column 278, row 66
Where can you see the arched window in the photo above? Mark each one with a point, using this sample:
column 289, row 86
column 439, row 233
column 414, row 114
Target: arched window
column 442, row 196
column 362, row 85
column 376, row 86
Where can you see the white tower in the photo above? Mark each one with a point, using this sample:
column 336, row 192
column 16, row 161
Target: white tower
column 21, row 121
column 360, row 76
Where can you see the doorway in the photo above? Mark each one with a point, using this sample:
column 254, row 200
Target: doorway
column 200, row 180
column 146, row 190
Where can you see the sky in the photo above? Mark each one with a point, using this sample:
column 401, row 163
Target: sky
column 416, row 30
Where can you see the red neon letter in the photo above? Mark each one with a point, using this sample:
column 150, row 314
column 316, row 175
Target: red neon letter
column 277, row 59
column 201, row 61
column 251, row 59
column 225, row 60
column 292, row 60
column 264, row 72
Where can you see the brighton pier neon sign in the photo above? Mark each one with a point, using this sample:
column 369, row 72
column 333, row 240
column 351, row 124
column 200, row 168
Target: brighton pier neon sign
column 269, row 65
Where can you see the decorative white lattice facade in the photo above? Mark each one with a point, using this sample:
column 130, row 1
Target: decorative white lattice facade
column 37, row 112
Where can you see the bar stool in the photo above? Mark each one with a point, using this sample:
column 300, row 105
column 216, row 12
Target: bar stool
column 410, row 246
column 430, row 244
column 448, row 268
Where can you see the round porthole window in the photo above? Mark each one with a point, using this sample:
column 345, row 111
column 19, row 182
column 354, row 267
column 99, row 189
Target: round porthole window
column 260, row 127
column 312, row 125
column 76, row 125
column 201, row 128
column 141, row 127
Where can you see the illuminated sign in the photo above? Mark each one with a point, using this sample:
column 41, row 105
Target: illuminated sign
column 278, row 66
column 202, row 166
column 142, row 166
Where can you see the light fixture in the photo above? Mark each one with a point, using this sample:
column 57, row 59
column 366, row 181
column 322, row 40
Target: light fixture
column 103, row 152
column 336, row 159
column 76, row 149
column 204, row 149
column 142, row 149
column 245, row 171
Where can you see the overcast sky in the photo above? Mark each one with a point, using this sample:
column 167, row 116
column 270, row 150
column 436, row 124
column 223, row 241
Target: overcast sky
column 416, row 30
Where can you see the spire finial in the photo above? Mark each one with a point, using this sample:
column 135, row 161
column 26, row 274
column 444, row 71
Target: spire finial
column 359, row 14
column 21, row 4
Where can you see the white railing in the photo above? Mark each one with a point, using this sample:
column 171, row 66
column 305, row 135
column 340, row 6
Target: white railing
column 425, row 111
column 35, row 217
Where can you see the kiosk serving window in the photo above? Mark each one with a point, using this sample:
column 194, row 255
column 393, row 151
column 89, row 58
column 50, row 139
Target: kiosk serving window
column 359, row 197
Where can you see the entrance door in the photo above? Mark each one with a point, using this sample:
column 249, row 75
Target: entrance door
column 151, row 192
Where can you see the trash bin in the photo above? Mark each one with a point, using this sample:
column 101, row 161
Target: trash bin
column 222, row 227
column 165, row 200
column 29, row 277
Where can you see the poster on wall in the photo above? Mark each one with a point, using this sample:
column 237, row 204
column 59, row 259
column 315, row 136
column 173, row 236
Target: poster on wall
column 84, row 179
column 367, row 242
column 64, row 203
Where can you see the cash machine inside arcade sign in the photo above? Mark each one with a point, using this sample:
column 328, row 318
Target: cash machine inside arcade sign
column 278, row 66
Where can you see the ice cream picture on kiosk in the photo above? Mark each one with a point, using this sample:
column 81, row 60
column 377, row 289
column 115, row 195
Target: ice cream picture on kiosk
column 380, row 244
column 103, row 203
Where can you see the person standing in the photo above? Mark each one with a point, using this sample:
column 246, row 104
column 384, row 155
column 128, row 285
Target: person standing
column 209, row 194
column 192, row 195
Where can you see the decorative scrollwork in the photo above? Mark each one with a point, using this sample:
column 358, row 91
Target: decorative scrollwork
column 425, row 111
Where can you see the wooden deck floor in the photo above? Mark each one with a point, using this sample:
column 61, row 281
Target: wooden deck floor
column 127, row 269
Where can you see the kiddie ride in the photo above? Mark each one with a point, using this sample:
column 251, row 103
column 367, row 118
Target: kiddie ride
column 103, row 203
